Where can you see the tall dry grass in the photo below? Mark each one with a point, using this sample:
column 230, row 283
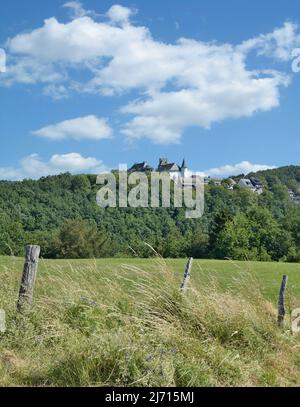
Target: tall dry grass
column 134, row 328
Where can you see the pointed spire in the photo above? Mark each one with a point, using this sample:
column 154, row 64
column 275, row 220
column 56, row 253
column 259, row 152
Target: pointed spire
column 183, row 166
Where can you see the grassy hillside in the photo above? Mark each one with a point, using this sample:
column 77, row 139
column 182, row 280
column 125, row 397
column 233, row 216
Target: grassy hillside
column 124, row 322
column 289, row 176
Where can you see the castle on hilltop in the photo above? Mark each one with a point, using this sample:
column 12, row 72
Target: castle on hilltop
column 174, row 170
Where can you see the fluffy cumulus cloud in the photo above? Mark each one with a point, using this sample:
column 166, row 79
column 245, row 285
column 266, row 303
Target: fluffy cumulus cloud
column 164, row 116
column 119, row 14
column 183, row 84
column 245, row 167
column 81, row 128
column 34, row 167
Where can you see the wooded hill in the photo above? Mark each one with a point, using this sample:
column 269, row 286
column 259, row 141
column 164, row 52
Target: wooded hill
column 60, row 214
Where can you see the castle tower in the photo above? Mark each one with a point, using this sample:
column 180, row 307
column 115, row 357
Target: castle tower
column 183, row 169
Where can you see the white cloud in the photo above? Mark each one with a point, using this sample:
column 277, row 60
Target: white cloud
column 81, row 128
column 183, row 84
column 120, row 14
column 279, row 44
column 9, row 173
column 56, row 92
column 74, row 42
column 163, row 117
column 34, row 167
column 29, row 71
column 76, row 9
column 244, row 167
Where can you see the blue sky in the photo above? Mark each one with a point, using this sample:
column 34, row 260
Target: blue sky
column 90, row 85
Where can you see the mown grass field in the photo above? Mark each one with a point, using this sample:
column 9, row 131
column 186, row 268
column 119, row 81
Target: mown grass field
column 124, row 322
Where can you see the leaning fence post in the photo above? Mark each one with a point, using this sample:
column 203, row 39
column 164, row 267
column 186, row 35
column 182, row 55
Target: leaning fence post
column 281, row 304
column 186, row 276
column 29, row 275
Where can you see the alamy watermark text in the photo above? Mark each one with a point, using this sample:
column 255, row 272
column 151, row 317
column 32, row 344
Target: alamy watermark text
column 296, row 60
column 125, row 189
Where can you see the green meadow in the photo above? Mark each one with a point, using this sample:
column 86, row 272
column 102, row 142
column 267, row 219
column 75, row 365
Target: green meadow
column 268, row 275
column 124, row 322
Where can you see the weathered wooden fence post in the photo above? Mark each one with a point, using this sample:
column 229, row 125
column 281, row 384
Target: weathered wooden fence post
column 29, row 276
column 186, row 276
column 281, row 303
column 2, row 321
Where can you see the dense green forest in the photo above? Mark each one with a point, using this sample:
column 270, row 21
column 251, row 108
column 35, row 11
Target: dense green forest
column 60, row 214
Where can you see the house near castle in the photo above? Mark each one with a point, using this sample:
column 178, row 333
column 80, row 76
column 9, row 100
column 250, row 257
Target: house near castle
column 252, row 184
column 212, row 181
column 231, row 184
column 295, row 198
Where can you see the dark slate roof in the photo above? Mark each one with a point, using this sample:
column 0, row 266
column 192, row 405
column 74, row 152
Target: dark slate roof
column 140, row 167
column 256, row 182
column 168, row 167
